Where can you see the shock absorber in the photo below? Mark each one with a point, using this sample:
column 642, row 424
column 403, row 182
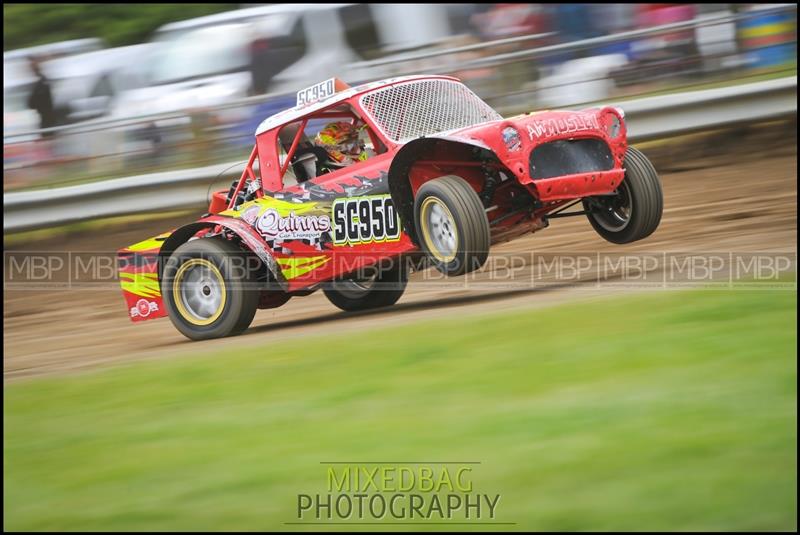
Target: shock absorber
column 492, row 180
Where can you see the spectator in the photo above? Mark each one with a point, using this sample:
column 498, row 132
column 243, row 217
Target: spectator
column 574, row 23
column 509, row 20
column 260, row 54
column 41, row 98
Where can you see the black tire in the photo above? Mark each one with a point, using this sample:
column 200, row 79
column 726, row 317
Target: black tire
column 466, row 225
column 635, row 212
column 234, row 283
column 376, row 287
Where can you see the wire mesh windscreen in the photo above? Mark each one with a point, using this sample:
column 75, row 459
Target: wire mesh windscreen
column 420, row 108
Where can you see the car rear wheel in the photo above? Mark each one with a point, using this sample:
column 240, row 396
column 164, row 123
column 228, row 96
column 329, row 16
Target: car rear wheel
column 452, row 226
column 207, row 292
column 374, row 288
column 634, row 211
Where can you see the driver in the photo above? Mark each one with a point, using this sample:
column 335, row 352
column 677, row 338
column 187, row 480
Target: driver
column 341, row 140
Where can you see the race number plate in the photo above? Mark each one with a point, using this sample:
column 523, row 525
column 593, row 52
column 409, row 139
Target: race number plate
column 367, row 219
column 320, row 91
column 316, row 92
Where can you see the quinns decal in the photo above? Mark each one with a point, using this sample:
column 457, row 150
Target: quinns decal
column 279, row 231
column 273, row 226
column 282, row 225
column 368, row 219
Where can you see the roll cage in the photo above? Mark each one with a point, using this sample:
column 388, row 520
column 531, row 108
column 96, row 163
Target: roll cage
column 267, row 147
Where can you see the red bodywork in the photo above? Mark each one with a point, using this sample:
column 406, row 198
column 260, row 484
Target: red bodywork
column 396, row 172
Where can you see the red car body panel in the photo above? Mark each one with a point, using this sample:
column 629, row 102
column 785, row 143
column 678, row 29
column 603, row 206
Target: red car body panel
column 311, row 232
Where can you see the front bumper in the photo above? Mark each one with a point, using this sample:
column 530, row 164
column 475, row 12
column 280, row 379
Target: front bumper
column 577, row 185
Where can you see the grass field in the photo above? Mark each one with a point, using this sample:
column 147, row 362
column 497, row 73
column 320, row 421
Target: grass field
column 674, row 410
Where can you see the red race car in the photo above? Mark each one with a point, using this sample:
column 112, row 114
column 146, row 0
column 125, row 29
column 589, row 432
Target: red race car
column 350, row 181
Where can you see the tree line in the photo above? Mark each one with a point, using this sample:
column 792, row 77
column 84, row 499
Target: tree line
column 27, row 25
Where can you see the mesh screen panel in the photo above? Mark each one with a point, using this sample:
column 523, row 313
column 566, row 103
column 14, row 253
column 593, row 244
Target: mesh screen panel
column 569, row 157
column 420, row 108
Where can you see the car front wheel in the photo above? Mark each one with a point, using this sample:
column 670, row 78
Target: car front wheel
column 210, row 289
column 452, row 226
column 634, row 211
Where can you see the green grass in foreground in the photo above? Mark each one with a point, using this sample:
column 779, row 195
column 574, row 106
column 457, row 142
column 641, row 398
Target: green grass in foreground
column 660, row 411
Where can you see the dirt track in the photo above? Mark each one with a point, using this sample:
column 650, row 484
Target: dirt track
column 736, row 197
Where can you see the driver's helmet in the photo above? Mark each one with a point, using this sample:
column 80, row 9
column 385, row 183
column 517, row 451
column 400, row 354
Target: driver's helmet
column 341, row 140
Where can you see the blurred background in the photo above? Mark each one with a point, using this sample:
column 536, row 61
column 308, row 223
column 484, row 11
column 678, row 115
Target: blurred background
column 106, row 91
column 596, row 400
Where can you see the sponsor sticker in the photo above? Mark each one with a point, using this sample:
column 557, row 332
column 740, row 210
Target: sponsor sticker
column 572, row 123
column 368, row 219
column 143, row 308
column 250, row 215
column 273, row 226
column 511, row 138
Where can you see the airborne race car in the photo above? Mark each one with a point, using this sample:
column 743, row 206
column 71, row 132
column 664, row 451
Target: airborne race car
column 446, row 177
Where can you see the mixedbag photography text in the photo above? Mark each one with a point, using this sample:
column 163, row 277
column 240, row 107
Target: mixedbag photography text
column 389, row 492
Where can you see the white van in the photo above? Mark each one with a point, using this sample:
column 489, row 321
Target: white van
column 207, row 61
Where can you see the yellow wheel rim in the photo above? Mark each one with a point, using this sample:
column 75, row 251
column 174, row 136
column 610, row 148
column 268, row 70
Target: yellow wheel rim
column 439, row 230
column 198, row 291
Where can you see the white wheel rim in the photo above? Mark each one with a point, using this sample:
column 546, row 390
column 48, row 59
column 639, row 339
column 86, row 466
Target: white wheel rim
column 200, row 292
column 442, row 229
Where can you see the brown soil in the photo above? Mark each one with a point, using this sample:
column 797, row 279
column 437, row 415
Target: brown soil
column 740, row 196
